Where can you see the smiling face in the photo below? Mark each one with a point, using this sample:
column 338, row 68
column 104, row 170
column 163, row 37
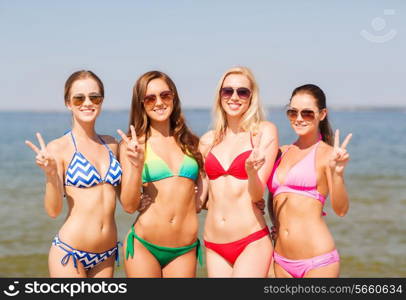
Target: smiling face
column 158, row 101
column 304, row 115
column 237, row 103
column 85, row 100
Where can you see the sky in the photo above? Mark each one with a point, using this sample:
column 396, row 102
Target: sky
column 354, row 50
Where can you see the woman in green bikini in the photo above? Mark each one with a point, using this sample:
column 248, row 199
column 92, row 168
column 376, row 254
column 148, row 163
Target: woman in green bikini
column 160, row 155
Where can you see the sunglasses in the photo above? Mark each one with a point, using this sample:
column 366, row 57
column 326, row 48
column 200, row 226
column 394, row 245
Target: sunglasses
column 242, row 92
column 307, row 114
column 79, row 99
column 166, row 96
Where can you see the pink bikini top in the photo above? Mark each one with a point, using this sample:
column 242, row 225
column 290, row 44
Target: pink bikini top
column 300, row 179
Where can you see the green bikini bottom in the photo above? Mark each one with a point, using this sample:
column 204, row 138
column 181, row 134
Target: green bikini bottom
column 164, row 255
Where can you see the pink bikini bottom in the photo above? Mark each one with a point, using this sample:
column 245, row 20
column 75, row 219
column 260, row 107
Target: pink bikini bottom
column 299, row 267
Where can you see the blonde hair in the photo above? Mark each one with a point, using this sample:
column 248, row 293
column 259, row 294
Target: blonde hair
column 250, row 119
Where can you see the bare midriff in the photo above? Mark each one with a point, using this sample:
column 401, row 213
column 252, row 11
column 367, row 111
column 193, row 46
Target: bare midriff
column 90, row 224
column 171, row 219
column 231, row 215
column 301, row 229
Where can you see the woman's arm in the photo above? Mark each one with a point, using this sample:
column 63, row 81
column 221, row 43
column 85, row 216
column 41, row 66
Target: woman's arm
column 260, row 163
column 338, row 160
column 131, row 156
column 338, row 194
column 48, row 158
column 54, row 189
column 202, row 192
column 202, row 196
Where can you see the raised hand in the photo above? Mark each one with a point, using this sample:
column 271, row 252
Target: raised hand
column 339, row 157
column 134, row 151
column 256, row 159
column 43, row 159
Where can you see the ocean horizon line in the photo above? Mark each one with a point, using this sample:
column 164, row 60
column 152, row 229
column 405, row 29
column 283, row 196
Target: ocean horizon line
column 195, row 108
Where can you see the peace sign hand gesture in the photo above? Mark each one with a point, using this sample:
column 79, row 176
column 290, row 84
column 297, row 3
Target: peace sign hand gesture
column 256, row 159
column 43, row 159
column 339, row 157
column 134, row 152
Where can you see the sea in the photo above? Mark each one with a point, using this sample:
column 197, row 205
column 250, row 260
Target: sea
column 371, row 238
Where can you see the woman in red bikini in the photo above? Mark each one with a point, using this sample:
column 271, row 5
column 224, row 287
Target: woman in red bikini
column 303, row 176
column 236, row 235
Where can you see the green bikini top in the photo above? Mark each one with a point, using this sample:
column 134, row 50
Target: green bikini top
column 155, row 168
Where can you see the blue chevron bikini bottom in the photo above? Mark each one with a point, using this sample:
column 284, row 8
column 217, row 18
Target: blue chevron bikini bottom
column 88, row 259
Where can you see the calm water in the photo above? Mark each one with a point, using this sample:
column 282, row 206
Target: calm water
column 371, row 238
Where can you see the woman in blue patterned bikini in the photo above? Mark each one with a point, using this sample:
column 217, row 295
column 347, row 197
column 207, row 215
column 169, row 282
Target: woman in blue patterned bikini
column 82, row 166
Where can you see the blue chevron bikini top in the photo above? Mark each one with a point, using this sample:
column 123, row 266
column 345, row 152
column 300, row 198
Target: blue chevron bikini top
column 82, row 174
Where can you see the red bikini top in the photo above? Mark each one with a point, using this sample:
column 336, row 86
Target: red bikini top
column 214, row 169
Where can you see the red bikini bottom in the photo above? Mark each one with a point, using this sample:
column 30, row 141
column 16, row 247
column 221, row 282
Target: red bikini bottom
column 231, row 251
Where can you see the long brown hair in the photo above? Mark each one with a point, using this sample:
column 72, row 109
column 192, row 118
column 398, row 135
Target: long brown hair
column 78, row 75
column 318, row 94
column 184, row 137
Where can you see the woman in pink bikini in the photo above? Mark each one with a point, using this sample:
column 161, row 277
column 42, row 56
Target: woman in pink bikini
column 236, row 235
column 303, row 176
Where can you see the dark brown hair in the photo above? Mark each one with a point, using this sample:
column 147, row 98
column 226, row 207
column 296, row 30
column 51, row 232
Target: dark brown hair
column 78, row 75
column 184, row 137
column 318, row 94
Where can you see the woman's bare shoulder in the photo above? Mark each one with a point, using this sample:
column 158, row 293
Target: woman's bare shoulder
column 267, row 125
column 110, row 141
column 207, row 138
column 324, row 152
column 325, row 148
column 61, row 146
column 206, row 141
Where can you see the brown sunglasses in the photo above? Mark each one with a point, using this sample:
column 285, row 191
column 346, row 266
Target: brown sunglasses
column 166, row 96
column 79, row 99
column 306, row 114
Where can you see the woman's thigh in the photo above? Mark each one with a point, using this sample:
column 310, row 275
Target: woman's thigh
column 142, row 264
column 329, row 271
column 57, row 269
column 255, row 259
column 182, row 266
column 104, row 269
column 280, row 272
column 217, row 266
